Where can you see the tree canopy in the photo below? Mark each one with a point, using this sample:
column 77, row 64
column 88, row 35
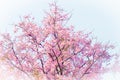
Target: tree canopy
column 54, row 50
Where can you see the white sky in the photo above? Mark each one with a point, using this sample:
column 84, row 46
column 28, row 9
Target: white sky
column 100, row 16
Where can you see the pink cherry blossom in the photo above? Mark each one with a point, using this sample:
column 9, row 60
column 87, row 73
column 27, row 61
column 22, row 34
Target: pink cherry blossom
column 54, row 49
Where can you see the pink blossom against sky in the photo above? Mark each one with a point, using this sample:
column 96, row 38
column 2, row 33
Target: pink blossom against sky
column 100, row 16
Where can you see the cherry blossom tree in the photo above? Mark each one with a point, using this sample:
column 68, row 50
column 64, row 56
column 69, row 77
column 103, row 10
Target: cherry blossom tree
column 54, row 50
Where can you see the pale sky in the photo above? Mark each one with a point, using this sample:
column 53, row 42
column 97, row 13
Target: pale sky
column 100, row 16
